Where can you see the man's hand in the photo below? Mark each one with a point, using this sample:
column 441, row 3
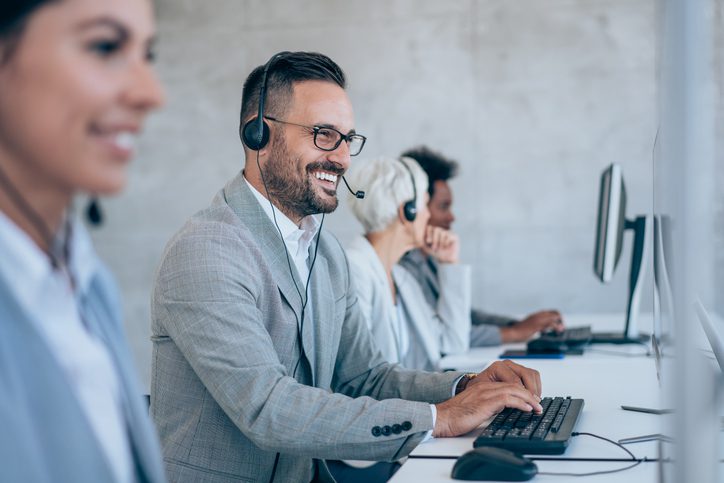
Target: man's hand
column 503, row 384
column 510, row 372
column 441, row 244
column 531, row 325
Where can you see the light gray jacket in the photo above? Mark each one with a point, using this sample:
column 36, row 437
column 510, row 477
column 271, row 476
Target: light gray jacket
column 225, row 394
column 436, row 283
column 431, row 330
column 45, row 435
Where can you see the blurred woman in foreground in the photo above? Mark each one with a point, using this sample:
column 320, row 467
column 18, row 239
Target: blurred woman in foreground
column 75, row 87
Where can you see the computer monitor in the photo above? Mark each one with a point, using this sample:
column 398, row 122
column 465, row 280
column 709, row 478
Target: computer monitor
column 610, row 229
column 611, row 221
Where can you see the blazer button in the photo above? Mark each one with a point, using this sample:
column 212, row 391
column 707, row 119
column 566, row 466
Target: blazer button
column 376, row 431
column 386, row 430
column 396, row 428
column 406, row 426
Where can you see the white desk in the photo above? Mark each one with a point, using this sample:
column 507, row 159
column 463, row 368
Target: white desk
column 605, row 377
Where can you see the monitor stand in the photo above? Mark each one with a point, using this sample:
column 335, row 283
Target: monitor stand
column 639, row 257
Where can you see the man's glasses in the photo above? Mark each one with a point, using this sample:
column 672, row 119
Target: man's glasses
column 329, row 139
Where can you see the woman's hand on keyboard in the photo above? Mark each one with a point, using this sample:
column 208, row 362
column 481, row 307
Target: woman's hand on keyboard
column 541, row 321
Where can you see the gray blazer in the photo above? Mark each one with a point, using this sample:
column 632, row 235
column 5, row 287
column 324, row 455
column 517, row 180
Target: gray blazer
column 231, row 386
column 434, row 284
column 44, row 433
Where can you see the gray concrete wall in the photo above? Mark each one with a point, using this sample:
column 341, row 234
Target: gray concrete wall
column 533, row 97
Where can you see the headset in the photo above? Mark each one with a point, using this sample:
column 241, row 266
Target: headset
column 255, row 133
column 410, row 207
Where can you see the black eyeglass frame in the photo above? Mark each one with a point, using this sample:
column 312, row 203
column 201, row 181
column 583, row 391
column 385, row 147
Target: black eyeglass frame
column 315, row 129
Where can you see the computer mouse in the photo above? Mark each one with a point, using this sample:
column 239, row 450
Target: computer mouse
column 493, row 464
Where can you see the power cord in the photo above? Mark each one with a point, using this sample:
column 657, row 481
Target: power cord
column 637, row 461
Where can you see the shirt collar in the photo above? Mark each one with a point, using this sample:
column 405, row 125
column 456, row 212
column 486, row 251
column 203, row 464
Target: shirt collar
column 303, row 234
column 26, row 267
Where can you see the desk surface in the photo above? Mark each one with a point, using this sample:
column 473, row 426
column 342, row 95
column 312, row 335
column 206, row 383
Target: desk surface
column 605, row 377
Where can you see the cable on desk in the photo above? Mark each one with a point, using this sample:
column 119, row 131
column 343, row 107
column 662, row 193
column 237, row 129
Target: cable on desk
column 553, row 458
column 633, row 458
column 592, row 473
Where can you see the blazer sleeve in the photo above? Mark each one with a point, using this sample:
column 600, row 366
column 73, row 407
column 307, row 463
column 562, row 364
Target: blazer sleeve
column 479, row 317
column 485, row 335
column 208, row 301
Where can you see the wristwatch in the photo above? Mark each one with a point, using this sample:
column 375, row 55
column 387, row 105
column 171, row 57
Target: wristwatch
column 464, row 381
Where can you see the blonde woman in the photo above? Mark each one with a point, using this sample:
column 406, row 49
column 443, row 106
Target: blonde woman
column 394, row 217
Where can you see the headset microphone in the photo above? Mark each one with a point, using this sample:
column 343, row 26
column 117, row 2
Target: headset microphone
column 358, row 194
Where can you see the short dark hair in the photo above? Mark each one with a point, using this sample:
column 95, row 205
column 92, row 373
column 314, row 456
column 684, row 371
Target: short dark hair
column 289, row 68
column 437, row 166
column 14, row 15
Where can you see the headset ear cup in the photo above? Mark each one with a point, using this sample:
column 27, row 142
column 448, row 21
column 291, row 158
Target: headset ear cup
column 410, row 210
column 250, row 134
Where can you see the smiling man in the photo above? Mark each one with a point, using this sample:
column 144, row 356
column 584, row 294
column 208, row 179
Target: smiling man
column 263, row 365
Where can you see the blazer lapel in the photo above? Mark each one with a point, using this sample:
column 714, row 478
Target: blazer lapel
column 245, row 205
column 41, row 379
column 242, row 201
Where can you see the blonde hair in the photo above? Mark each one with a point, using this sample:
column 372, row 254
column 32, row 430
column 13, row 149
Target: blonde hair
column 387, row 185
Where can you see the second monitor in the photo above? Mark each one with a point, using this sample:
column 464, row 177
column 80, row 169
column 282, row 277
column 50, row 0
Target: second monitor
column 610, row 229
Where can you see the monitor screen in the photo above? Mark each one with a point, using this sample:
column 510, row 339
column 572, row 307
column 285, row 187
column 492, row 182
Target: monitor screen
column 611, row 223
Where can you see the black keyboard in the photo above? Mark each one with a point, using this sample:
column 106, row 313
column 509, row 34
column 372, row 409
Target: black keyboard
column 530, row 433
column 571, row 338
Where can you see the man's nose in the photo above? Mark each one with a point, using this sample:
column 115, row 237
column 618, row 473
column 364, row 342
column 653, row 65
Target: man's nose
column 340, row 155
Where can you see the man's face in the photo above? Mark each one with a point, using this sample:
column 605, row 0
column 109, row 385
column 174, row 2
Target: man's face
column 440, row 206
column 302, row 178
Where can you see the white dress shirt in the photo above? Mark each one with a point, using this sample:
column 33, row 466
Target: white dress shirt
column 53, row 305
column 297, row 239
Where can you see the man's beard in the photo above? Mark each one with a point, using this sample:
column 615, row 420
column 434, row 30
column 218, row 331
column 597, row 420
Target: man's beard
column 290, row 186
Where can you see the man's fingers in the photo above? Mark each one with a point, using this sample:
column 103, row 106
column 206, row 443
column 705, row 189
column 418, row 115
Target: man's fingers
column 504, row 395
column 509, row 371
column 530, row 377
column 500, row 372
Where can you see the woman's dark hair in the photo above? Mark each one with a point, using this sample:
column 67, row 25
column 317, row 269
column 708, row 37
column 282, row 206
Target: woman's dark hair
column 14, row 15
